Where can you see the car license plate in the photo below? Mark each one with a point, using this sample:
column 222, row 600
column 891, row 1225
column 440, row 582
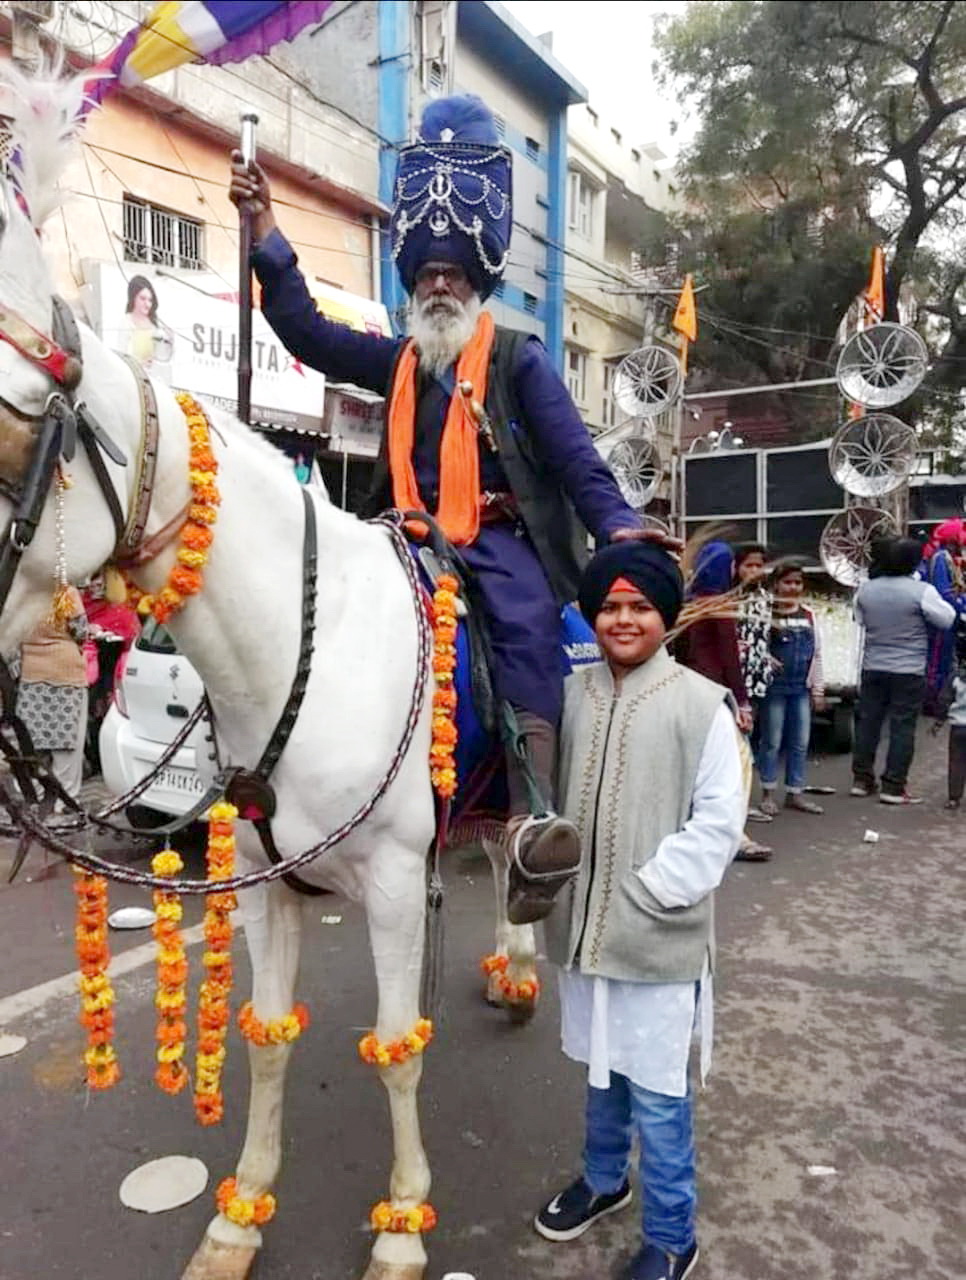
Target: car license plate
column 181, row 780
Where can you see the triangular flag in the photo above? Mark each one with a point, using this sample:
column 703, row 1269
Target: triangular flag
column 685, row 317
column 875, row 289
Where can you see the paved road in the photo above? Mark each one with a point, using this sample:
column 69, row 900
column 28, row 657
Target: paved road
column 840, row 1043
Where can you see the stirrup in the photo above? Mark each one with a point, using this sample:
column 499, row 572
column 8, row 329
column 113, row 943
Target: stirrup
column 532, row 826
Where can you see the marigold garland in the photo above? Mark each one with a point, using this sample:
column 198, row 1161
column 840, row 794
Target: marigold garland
column 385, row 1217
column 185, row 578
column 245, row 1213
column 279, row 1031
column 171, row 999
column 97, row 1002
column 213, row 1012
column 378, row 1054
column 442, row 759
column 513, row 992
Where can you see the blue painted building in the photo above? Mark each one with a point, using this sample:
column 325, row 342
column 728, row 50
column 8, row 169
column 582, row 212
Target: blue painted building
column 429, row 49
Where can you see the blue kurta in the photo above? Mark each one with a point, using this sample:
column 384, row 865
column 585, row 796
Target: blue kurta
column 521, row 610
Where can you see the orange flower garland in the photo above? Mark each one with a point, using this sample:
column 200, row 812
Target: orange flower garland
column 278, row 1031
column 171, row 999
column 384, row 1217
column 378, row 1054
column 185, row 578
column 93, row 954
column 244, row 1213
column 441, row 752
column 213, row 1015
column 513, row 992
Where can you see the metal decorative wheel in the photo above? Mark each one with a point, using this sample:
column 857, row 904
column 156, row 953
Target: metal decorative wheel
column 882, row 365
column 647, row 382
column 845, row 548
column 873, row 455
column 636, row 465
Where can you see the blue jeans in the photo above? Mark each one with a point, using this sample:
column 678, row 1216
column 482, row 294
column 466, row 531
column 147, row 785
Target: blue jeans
column 663, row 1126
column 786, row 721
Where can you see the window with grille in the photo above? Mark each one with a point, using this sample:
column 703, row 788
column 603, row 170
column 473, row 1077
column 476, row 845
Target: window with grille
column 160, row 237
column 533, row 149
column 500, row 123
column 530, row 303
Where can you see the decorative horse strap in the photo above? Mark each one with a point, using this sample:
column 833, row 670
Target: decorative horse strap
column 250, row 790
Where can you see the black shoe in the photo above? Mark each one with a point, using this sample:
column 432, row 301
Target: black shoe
column 569, row 1214
column 544, row 855
column 653, row 1263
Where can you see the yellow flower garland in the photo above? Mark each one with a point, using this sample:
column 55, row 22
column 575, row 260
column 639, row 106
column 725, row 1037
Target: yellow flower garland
column 378, row 1054
column 512, row 992
column 171, row 999
column 441, row 752
column 244, row 1213
column 185, row 578
column 385, row 1217
column 213, row 1014
column 279, row 1031
column 97, row 1003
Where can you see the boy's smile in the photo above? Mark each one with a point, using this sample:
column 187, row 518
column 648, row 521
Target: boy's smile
column 629, row 629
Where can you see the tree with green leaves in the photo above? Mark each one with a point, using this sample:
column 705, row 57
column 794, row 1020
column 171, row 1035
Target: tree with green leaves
column 822, row 129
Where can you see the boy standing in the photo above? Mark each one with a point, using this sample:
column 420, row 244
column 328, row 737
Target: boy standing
column 651, row 776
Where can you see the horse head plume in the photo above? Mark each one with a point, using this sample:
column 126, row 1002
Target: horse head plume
column 43, row 114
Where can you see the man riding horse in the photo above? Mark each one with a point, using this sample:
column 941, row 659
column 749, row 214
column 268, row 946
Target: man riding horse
column 481, row 433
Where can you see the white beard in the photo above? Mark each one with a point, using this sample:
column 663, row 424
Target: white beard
column 441, row 327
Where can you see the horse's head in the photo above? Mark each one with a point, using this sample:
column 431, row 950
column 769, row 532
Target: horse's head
column 43, row 115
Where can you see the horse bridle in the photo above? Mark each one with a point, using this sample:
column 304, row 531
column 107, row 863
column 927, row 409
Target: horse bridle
column 64, row 421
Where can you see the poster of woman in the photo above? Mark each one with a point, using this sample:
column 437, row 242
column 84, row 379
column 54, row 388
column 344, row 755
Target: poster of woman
column 146, row 338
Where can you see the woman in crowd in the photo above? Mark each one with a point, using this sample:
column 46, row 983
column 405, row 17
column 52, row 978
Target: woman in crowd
column 52, row 696
column 710, row 644
column 942, row 569
column 754, row 631
column 796, row 687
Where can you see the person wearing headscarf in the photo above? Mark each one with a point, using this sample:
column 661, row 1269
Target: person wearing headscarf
column 710, row 645
column 942, row 569
column 651, row 774
column 481, row 432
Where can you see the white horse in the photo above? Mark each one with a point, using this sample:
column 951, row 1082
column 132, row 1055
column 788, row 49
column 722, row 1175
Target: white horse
column 242, row 634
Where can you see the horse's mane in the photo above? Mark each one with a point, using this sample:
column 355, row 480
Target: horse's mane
column 46, row 110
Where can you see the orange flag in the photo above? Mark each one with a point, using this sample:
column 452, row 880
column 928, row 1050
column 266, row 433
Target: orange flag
column 875, row 289
column 685, row 317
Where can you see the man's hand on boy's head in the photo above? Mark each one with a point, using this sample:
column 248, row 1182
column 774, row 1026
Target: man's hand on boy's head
column 660, row 538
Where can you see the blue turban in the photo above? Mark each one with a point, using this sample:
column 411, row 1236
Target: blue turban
column 648, row 567
column 453, row 195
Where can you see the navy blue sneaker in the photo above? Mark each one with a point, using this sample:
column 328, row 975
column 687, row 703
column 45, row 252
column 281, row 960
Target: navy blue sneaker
column 653, row 1263
column 572, row 1212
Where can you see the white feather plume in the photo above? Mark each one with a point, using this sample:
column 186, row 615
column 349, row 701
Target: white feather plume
column 46, row 120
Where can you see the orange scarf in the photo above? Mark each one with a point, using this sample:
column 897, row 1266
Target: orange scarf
column 459, row 455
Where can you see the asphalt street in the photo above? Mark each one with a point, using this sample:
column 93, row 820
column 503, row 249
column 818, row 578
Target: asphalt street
column 840, row 1047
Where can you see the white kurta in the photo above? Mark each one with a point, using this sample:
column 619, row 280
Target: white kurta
column 643, row 1030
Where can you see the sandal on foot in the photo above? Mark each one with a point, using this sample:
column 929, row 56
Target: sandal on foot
column 752, row 851
column 769, row 808
column 801, row 805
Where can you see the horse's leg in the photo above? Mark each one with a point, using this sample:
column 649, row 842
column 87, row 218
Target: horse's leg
column 273, row 917
column 514, row 985
column 395, row 905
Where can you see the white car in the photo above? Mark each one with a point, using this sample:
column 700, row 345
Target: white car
column 156, row 694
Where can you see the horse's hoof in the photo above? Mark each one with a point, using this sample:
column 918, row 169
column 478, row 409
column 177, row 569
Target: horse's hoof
column 494, row 991
column 521, row 1011
column 216, row 1261
column 377, row 1270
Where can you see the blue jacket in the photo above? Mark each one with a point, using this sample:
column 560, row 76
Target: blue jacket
column 555, row 445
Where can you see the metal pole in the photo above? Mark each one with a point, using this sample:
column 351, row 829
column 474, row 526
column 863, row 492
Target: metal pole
column 248, row 122
column 754, row 391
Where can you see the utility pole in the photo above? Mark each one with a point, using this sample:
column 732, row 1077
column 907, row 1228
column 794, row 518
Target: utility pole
column 27, row 17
